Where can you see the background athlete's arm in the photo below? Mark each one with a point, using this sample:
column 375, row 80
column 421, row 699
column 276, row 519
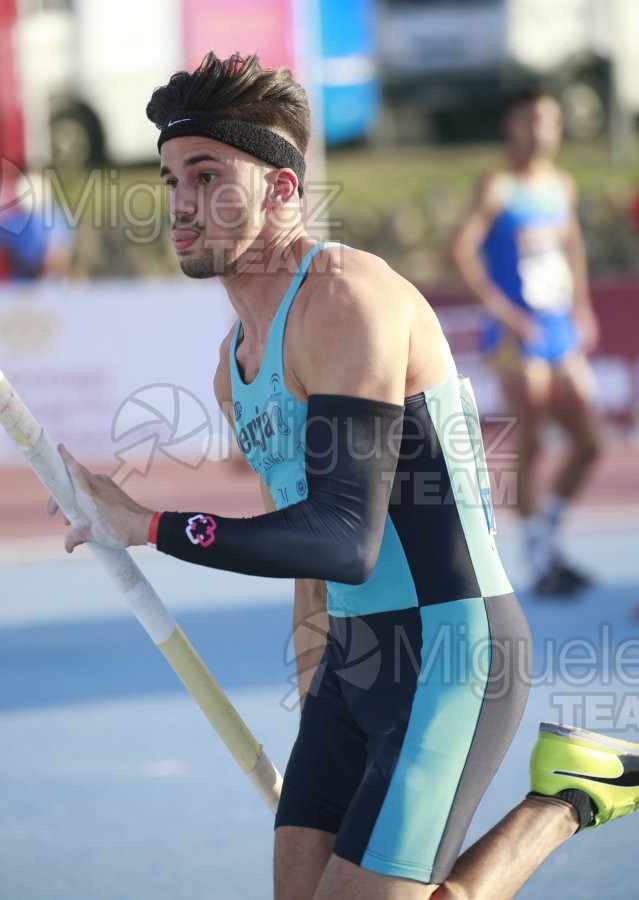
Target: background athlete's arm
column 575, row 252
column 465, row 254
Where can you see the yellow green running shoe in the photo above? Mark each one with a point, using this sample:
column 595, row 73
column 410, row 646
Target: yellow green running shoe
column 573, row 759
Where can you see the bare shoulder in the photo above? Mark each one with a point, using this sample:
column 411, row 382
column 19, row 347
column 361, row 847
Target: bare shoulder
column 494, row 189
column 354, row 327
column 353, row 288
column 222, row 378
column 489, row 197
column 568, row 184
column 352, row 273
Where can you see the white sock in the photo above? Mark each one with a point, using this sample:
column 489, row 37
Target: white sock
column 555, row 509
column 539, row 543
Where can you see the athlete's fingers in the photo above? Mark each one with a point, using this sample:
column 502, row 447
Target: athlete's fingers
column 117, row 521
column 80, row 476
column 76, row 536
column 530, row 330
column 52, row 508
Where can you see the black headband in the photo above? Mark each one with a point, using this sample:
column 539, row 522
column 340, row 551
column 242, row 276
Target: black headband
column 253, row 139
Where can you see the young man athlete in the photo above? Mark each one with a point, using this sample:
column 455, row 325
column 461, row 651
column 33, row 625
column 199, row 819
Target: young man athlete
column 520, row 252
column 345, row 399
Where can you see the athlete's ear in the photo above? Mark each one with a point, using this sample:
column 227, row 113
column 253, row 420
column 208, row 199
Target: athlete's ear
column 283, row 187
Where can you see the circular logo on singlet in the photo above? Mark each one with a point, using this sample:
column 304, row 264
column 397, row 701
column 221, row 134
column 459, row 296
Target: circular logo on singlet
column 237, row 410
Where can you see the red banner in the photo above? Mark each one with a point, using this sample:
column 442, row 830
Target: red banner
column 11, row 125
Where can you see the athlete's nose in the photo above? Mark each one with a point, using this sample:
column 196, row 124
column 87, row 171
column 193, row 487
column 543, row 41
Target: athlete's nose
column 183, row 203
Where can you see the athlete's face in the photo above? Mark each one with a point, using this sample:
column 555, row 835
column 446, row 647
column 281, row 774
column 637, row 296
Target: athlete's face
column 216, row 203
column 534, row 129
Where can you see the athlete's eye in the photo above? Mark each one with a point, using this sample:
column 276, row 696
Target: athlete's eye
column 171, row 183
column 207, row 177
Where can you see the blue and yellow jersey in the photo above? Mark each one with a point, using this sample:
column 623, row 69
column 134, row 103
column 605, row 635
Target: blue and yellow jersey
column 525, row 257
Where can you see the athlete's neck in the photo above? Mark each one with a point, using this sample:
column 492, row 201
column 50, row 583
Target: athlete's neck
column 256, row 289
column 529, row 168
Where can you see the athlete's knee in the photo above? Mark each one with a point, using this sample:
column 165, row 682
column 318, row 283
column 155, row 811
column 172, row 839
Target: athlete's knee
column 591, row 450
column 529, row 445
column 588, row 446
column 448, row 890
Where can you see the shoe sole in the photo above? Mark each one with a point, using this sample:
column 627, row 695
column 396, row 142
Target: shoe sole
column 590, row 738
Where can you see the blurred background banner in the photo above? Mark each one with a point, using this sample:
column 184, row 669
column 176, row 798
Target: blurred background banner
column 99, row 365
column 80, row 352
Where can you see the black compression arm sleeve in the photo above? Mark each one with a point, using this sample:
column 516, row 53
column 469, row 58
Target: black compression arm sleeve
column 335, row 533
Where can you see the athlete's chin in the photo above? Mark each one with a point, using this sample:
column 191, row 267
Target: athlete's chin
column 219, row 258
column 195, row 269
column 204, row 267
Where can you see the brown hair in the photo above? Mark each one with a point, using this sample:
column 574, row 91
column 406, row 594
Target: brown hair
column 238, row 87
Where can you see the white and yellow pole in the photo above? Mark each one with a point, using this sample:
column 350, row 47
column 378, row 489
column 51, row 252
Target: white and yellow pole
column 154, row 617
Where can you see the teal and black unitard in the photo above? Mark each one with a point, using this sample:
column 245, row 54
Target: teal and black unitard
column 424, row 678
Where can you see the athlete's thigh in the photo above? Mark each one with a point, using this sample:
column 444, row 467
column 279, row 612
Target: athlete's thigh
column 301, row 855
column 574, row 399
column 327, row 760
column 443, row 710
column 323, row 773
column 527, row 390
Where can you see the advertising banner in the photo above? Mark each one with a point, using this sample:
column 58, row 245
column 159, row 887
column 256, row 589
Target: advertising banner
column 118, row 370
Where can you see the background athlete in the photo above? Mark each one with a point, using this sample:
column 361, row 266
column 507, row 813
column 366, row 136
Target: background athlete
column 520, row 252
column 345, row 399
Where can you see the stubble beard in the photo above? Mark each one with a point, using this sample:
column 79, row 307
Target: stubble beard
column 212, row 261
column 218, row 256
column 207, row 266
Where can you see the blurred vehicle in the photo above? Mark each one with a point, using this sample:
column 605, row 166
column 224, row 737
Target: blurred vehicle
column 447, row 63
column 86, row 68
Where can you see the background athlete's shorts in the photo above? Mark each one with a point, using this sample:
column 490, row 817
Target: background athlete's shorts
column 409, row 716
column 557, row 338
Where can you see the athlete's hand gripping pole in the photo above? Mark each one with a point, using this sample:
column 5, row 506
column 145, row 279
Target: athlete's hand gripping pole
column 154, row 617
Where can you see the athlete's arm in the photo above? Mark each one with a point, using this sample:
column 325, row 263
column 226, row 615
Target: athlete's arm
column 576, row 255
column 351, row 360
column 310, row 620
column 465, row 255
column 310, row 625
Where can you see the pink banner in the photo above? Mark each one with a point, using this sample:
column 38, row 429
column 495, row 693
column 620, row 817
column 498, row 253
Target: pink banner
column 264, row 27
